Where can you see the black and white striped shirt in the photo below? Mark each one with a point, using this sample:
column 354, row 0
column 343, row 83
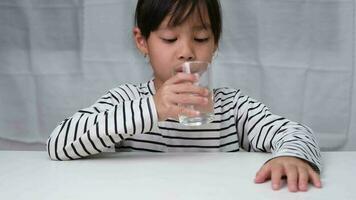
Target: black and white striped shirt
column 125, row 119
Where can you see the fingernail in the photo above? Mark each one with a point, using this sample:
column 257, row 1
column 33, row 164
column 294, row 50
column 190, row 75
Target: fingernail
column 258, row 179
column 205, row 100
column 275, row 186
column 318, row 185
column 206, row 92
column 303, row 187
column 293, row 188
column 196, row 75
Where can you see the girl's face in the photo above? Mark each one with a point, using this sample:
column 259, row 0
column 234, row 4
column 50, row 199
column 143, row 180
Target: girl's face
column 168, row 47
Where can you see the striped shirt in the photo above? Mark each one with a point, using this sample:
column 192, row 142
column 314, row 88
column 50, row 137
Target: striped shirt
column 125, row 119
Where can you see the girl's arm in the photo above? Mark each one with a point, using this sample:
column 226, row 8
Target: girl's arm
column 110, row 120
column 260, row 130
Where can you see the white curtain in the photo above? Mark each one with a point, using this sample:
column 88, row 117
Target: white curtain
column 296, row 56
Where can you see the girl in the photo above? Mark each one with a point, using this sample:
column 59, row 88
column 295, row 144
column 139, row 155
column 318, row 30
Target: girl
column 142, row 117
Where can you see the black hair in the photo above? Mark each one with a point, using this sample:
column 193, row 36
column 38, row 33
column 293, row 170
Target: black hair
column 150, row 14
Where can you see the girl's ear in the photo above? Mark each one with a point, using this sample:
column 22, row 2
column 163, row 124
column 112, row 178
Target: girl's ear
column 140, row 41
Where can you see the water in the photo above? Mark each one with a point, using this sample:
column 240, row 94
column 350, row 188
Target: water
column 203, row 118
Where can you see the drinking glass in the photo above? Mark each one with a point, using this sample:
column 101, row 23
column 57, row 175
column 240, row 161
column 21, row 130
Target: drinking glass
column 206, row 112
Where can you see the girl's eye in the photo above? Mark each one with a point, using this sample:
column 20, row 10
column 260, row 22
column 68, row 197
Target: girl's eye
column 169, row 40
column 201, row 39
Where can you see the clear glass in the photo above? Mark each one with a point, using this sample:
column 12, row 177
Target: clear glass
column 203, row 69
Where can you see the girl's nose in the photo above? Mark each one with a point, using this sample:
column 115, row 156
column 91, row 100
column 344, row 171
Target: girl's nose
column 186, row 58
column 186, row 52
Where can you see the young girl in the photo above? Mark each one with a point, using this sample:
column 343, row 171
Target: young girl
column 142, row 117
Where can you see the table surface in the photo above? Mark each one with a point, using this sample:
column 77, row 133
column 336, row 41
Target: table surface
column 31, row 175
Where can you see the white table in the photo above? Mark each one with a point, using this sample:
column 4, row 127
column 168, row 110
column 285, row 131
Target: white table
column 31, row 175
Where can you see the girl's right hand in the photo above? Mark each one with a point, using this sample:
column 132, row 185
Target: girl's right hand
column 179, row 89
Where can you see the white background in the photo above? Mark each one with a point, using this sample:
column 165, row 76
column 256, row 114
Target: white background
column 295, row 56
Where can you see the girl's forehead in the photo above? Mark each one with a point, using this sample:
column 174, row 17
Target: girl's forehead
column 195, row 21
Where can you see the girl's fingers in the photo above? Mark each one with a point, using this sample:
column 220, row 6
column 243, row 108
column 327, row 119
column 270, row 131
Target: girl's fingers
column 263, row 174
column 178, row 110
column 188, row 87
column 277, row 173
column 292, row 178
column 178, row 101
column 182, row 77
column 303, row 179
column 298, row 174
column 178, row 91
column 315, row 178
column 188, row 99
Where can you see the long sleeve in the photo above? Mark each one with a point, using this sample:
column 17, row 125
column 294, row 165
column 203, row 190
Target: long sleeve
column 114, row 117
column 260, row 130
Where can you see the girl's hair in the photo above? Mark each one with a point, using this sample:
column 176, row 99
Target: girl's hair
column 150, row 14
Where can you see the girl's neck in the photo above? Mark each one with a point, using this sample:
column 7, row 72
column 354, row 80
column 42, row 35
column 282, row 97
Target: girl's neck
column 157, row 83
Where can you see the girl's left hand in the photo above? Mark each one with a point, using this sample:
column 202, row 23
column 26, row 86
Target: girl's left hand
column 297, row 171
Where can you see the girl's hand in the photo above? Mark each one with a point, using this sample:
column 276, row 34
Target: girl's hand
column 179, row 89
column 297, row 171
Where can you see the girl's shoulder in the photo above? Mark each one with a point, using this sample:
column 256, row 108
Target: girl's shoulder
column 129, row 91
column 226, row 91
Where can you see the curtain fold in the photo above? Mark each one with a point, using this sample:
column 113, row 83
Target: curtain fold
column 296, row 56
